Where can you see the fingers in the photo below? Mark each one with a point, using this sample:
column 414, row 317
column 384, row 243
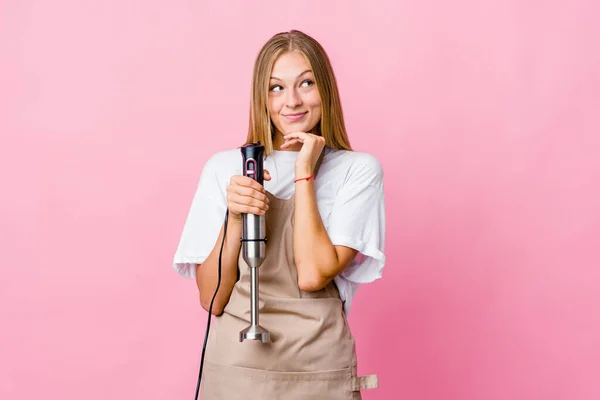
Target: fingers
column 301, row 137
column 250, row 192
column 291, row 143
column 297, row 137
column 239, row 204
column 241, row 180
column 266, row 175
column 247, row 196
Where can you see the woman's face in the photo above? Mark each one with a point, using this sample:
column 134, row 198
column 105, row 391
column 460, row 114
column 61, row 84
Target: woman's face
column 294, row 101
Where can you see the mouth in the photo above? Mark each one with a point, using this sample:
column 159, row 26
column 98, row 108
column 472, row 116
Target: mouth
column 295, row 117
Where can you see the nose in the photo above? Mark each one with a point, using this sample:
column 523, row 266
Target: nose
column 293, row 99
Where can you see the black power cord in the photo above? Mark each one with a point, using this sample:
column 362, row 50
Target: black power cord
column 211, row 306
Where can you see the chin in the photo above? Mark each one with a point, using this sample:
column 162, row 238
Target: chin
column 300, row 128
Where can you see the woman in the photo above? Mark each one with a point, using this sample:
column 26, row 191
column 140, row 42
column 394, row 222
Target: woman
column 324, row 210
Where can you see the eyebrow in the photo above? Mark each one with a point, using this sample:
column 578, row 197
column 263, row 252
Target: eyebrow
column 308, row 70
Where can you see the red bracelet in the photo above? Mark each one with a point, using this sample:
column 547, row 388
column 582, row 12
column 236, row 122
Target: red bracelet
column 304, row 179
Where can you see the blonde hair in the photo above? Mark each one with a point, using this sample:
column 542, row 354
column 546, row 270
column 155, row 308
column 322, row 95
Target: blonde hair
column 331, row 126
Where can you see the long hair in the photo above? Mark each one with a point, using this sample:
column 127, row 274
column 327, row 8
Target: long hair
column 331, row 126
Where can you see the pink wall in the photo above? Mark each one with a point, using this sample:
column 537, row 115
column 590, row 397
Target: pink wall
column 484, row 116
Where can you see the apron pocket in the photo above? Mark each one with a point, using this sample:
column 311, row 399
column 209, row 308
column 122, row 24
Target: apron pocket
column 233, row 383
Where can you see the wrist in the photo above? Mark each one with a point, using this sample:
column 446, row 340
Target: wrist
column 307, row 178
column 234, row 218
column 303, row 171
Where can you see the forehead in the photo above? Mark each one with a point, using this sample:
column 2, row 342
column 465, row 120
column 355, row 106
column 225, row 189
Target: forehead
column 289, row 65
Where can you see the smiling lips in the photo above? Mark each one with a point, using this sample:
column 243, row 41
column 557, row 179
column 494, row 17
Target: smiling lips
column 295, row 117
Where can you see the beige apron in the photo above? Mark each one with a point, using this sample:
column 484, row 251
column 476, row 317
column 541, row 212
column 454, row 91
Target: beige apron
column 311, row 354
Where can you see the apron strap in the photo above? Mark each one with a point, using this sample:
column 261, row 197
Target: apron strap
column 364, row 382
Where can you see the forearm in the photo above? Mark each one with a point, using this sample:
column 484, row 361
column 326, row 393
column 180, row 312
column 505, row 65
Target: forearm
column 207, row 273
column 315, row 256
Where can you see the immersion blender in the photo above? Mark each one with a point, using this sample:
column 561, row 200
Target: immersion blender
column 253, row 240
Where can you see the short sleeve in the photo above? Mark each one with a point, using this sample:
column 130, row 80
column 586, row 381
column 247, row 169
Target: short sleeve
column 357, row 220
column 204, row 221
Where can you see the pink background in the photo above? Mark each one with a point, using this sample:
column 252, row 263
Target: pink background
column 484, row 115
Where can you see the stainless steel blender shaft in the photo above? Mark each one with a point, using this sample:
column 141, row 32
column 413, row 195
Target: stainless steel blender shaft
column 253, row 247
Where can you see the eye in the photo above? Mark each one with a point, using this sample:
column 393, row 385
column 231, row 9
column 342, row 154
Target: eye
column 276, row 88
column 307, row 83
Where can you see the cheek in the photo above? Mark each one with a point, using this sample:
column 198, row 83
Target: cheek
column 316, row 106
column 315, row 100
column 274, row 106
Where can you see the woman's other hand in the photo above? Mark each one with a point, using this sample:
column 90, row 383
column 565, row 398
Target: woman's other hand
column 312, row 146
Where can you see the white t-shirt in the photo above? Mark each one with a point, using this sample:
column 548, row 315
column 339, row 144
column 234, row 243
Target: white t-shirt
column 350, row 199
